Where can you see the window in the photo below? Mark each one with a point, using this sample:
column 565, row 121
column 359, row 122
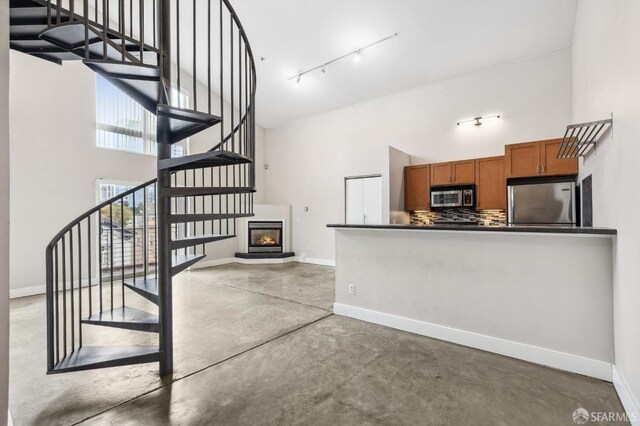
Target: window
column 122, row 228
column 122, row 124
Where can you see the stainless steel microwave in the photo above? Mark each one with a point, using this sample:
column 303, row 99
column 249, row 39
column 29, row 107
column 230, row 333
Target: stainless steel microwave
column 459, row 196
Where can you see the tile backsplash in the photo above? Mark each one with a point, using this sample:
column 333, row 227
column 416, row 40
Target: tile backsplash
column 483, row 217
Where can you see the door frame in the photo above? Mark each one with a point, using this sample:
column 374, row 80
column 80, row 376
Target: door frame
column 348, row 178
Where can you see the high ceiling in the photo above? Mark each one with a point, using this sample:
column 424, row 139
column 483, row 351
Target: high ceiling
column 438, row 39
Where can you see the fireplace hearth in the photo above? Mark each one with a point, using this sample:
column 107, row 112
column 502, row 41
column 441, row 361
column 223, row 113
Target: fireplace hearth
column 265, row 237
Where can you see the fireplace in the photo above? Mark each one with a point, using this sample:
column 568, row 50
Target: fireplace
column 265, row 237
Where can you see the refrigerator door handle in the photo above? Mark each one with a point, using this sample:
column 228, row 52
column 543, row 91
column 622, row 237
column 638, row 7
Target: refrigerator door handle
column 511, row 206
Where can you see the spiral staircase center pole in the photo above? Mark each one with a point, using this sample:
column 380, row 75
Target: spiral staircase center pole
column 164, row 204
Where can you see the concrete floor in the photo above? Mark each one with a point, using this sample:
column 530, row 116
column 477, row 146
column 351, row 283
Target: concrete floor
column 272, row 353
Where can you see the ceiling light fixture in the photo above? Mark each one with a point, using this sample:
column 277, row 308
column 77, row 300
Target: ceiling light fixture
column 477, row 121
column 356, row 58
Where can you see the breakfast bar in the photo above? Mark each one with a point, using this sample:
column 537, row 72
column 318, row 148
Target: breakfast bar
column 542, row 294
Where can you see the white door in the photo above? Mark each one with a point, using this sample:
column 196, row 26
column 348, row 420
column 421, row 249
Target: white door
column 372, row 195
column 363, row 200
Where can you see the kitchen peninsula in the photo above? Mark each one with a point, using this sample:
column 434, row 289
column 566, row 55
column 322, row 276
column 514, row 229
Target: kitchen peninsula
column 542, row 294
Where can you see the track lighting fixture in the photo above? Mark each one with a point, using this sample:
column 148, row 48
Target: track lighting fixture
column 357, row 56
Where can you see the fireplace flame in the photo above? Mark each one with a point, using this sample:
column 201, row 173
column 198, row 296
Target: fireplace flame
column 266, row 241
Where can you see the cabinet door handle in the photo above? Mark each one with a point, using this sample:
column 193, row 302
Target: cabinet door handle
column 542, row 170
column 538, row 169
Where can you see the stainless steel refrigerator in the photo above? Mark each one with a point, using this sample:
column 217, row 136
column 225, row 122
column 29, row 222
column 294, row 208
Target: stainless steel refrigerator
column 545, row 203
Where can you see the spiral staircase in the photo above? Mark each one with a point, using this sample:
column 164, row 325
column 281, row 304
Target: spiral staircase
column 133, row 244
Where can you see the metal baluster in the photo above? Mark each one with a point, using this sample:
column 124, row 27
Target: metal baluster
column 232, row 110
column 135, row 260
column 100, row 232
column 155, row 17
column 141, row 11
column 90, row 272
column 209, row 56
column 105, row 28
column 73, row 324
column 122, row 244
column 111, row 249
column 57, row 302
column 240, row 94
column 86, row 28
column 178, row 69
column 185, row 200
column 49, row 13
column 195, row 68
column 64, row 296
column 145, row 233
column 156, row 198
column 122, row 27
column 79, row 286
column 221, row 83
column 212, row 198
column 203, row 208
column 194, row 208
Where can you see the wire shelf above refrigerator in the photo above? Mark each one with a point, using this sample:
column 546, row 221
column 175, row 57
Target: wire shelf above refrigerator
column 579, row 138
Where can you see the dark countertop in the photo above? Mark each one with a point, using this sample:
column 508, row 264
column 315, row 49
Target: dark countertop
column 480, row 228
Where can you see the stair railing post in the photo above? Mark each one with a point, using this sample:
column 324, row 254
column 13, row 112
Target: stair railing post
column 164, row 204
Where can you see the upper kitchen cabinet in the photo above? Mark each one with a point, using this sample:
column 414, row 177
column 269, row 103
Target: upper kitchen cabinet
column 532, row 159
column 522, row 159
column 464, row 172
column 453, row 173
column 491, row 183
column 552, row 166
column 416, row 187
column 441, row 174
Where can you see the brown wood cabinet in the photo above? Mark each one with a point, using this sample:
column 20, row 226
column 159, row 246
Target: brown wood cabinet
column 538, row 158
column 491, row 183
column 464, row 172
column 416, row 188
column 441, row 174
column 453, row 173
column 552, row 166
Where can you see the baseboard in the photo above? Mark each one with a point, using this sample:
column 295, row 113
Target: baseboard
column 41, row 289
column 213, row 262
column 548, row 357
column 323, row 262
column 628, row 402
column 16, row 293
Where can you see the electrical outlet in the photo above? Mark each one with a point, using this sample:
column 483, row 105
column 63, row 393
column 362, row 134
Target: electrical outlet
column 352, row 289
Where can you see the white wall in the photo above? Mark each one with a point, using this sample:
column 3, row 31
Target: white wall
column 4, row 211
column 55, row 162
column 54, row 159
column 308, row 160
column 606, row 78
